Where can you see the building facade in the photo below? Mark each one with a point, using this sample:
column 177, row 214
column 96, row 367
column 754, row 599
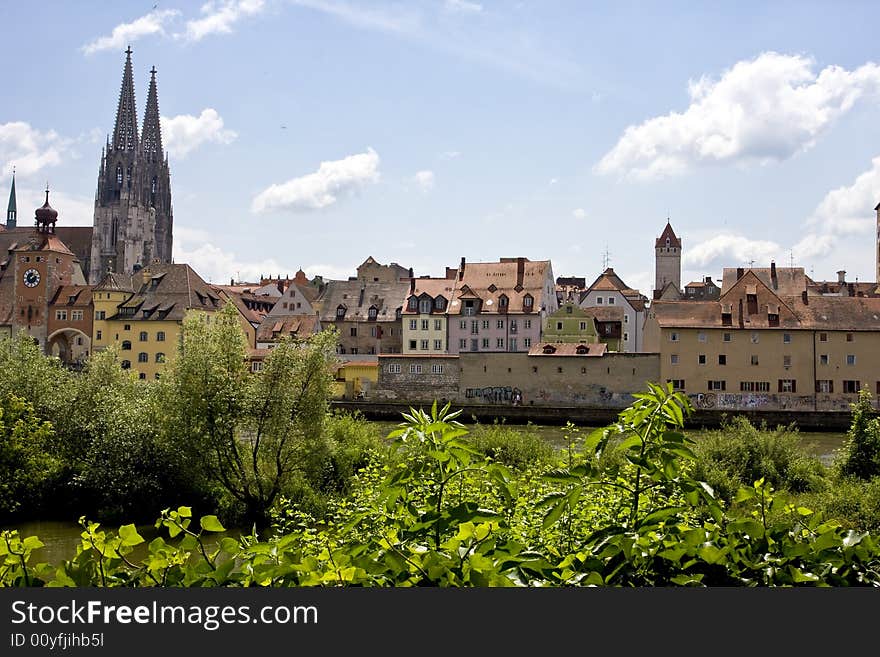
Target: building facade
column 608, row 291
column 424, row 318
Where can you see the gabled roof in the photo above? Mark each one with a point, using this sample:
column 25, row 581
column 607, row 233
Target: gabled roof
column 790, row 281
column 514, row 278
column 669, row 234
column 72, row 295
column 297, row 326
column 113, row 282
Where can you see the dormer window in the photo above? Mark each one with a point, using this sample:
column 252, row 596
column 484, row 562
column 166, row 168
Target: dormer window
column 413, row 303
column 581, row 349
column 372, row 312
column 502, row 301
column 340, row 312
column 425, row 304
column 549, row 349
column 528, row 302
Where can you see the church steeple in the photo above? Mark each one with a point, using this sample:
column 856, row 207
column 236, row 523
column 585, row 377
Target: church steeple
column 151, row 139
column 125, row 134
column 11, row 211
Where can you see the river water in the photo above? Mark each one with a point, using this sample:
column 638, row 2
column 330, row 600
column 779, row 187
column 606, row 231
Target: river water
column 62, row 536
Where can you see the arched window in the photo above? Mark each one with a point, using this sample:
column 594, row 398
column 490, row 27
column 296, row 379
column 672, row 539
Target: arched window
column 160, row 336
column 340, row 312
column 119, row 174
column 160, row 357
column 372, row 313
column 528, row 302
column 154, row 186
column 143, row 336
column 128, row 177
column 126, row 345
column 143, row 357
column 502, row 301
column 126, row 364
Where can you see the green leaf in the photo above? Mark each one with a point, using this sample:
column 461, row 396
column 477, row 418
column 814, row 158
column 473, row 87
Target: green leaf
column 554, row 513
column 129, row 535
column 660, row 515
column 744, row 494
column 211, row 524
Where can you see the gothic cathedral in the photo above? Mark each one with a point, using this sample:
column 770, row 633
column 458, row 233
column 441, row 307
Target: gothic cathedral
column 133, row 215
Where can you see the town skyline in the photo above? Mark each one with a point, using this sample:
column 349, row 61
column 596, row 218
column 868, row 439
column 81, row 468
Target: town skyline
column 310, row 134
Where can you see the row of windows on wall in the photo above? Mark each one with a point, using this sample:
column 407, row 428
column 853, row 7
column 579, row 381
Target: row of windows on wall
column 414, row 368
column 75, row 315
column 423, row 344
column 848, row 386
column 755, row 337
column 425, row 323
column 485, row 324
column 486, row 343
column 39, row 259
column 145, row 358
column 144, row 336
column 824, row 359
column 372, row 312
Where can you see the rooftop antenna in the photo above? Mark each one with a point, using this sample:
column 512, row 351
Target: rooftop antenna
column 791, row 258
column 606, row 258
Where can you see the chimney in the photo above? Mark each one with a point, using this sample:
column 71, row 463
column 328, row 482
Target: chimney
column 280, row 286
column 773, row 278
column 739, row 272
column 411, row 272
column 520, row 270
column 804, row 298
column 461, row 269
column 412, row 283
column 232, row 281
column 851, row 289
column 740, row 319
column 841, row 276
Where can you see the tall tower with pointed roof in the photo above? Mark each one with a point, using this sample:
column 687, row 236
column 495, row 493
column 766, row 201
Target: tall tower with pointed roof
column 667, row 260
column 11, row 211
column 133, row 213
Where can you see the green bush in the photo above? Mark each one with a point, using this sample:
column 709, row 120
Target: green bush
column 860, row 455
column 739, row 454
column 516, row 447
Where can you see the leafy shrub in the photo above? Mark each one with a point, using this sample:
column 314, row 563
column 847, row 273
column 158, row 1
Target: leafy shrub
column 860, row 455
column 739, row 454
column 513, row 446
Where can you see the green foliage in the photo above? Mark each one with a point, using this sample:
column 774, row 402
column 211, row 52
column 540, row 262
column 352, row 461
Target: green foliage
column 860, row 455
column 440, row 513
column 27, row 469
column 740, row 453
column 516, row 447
column 253, row 435
column 855, row 503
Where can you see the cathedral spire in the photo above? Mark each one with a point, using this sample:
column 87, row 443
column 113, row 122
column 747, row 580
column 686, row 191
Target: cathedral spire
column 125, row 134
column 11, row 212
column 151, row 139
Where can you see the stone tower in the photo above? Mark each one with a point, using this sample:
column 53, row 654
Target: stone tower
column 133, row 213
column 11, row 211
column 667, row 260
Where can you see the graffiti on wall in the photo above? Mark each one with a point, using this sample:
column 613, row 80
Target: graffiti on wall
column 751, row 401
column 495, row 395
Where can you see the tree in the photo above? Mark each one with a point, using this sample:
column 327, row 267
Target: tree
column 26, row 467
column 247, row 432
column 860, row 455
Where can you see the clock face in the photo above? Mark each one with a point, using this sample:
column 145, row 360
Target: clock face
column 32, row 278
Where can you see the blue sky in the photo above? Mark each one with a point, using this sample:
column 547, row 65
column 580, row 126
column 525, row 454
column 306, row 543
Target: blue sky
column 314, row 133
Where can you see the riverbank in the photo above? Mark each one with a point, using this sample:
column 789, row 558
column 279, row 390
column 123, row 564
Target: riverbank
column 560, row 415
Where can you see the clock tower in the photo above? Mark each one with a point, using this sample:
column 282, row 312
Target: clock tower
column 41, row 264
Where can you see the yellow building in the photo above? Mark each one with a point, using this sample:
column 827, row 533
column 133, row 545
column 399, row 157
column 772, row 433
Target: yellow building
column 355, row 378
column 768, row 343
column 143, row 314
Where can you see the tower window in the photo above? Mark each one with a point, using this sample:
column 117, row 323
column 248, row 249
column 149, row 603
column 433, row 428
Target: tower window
column 119, row 174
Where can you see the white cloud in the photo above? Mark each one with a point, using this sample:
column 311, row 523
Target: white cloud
column 219, row 17
column 28, row 149
column 322, row 188
column 463, row 6
column 126, row 33
column 579, row 213
column 846, row 213
column 425, row 180
column 554, row 181
column 450, row 155
column 727, row 250
column 72, row 210
column 762, row 110
column 215, row 265
column 185, row 132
